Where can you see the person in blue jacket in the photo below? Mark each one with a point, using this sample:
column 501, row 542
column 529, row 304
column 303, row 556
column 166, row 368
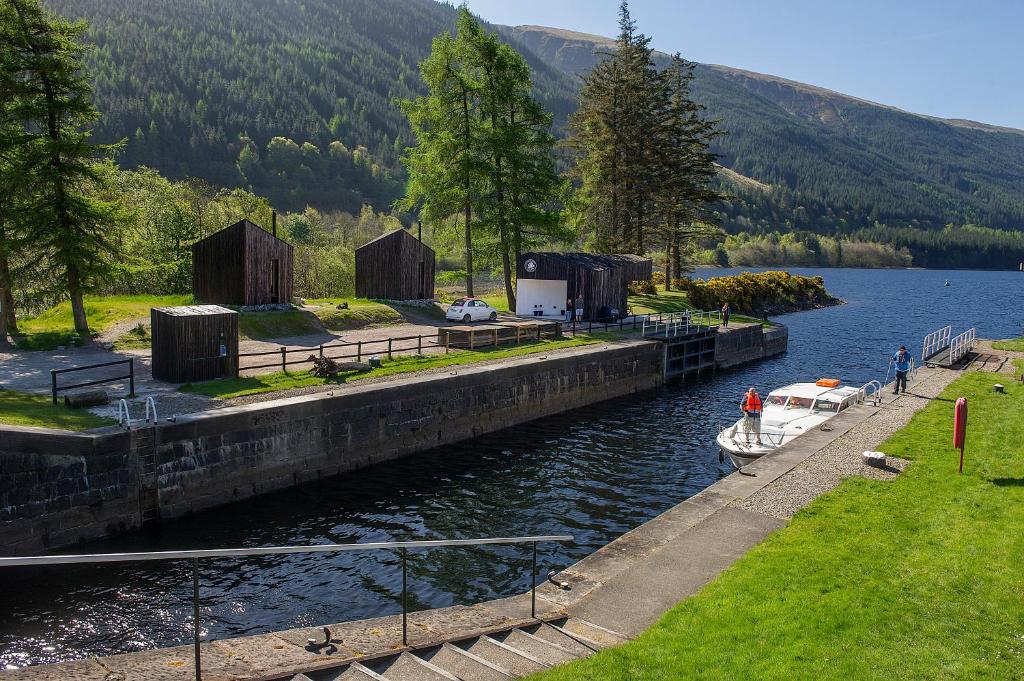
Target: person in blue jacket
column 902, row 362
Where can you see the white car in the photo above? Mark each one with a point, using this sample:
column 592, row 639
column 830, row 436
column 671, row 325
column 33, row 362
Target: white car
column 470, row 310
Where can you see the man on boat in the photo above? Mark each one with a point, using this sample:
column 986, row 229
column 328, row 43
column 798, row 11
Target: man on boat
column 902, row 361
column 751, row 407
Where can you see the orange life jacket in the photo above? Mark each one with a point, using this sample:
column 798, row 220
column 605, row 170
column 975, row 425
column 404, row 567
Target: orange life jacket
column 751, row 403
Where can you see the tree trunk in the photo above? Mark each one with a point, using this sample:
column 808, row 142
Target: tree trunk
column 510, row 295
column 677, row 256
column 8, row 320
column 469, row 249
column 77, row 303
column 668, row 265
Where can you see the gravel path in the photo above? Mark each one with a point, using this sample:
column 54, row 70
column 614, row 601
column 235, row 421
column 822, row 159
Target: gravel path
column 841, row 459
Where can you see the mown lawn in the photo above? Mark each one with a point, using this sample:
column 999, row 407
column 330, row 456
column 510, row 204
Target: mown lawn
column 676, row 301
column 23, row 409
column 56, row 326
column 401, row 364
column 1014, row 344
column 918, row 578
column 360, row 314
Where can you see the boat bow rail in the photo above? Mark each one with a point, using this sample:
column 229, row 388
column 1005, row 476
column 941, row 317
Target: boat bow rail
column 402, row 547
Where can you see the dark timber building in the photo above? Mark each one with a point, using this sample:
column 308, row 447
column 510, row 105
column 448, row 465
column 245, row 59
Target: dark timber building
column 242, row 265
column 395, row 266
column 546, row 280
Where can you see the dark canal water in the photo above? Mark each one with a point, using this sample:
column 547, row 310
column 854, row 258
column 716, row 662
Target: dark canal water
column 593, row 473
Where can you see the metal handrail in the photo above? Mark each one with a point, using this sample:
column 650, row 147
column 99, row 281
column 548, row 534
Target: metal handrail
column 151, row 403
column 54, row 389
column 677, row 323
column 961, row 345
column 936, row 341
column 195, row 555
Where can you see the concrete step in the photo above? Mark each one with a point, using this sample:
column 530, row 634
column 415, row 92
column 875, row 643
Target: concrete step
column 545, row 651
column 592, row 632
column 354, row 672
column 465, row 664
column 574, row 643
column 518, row 662
column 410, row 667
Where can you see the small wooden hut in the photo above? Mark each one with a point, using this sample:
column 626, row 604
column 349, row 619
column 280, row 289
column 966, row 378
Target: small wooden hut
column 194, row 343
column 242, row 265
column 395, row 266
column 546, row 280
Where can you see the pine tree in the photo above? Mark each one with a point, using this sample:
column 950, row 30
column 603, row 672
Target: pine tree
column 52, row 100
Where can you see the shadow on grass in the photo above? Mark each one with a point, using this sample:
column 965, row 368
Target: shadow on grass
column 1008, row 482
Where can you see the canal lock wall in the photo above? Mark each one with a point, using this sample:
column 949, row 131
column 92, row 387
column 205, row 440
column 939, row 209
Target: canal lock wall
column 59, row 489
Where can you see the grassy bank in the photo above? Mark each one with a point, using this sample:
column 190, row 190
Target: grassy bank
column 1014, row 344
column 401, row 364
column 56, row 326
column 918, row 578
column 23, row 409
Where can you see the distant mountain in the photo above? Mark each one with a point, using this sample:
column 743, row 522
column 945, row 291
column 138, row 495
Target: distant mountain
column 832, row 162
column 296, row 98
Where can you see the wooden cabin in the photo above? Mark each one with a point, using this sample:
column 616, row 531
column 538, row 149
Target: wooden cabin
column 242, row 265
column 194, row 343
column 545, row 281
column 395, row 266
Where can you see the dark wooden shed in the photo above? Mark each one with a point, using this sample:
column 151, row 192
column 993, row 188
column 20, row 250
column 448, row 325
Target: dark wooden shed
column 395, row 266
column 603, row 280
column 187, row 343
column 242, row 265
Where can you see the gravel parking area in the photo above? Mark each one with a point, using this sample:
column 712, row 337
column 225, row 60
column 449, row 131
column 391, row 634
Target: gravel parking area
column 841, row 459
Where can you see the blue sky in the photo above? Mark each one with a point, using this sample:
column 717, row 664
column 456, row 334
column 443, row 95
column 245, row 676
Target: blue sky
column 952, row 59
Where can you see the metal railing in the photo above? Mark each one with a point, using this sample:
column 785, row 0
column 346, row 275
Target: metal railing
column 870, row 389
column 194, row 557
column 936, row 342
column 961, row 345
column 680, row 323
column 130, row 376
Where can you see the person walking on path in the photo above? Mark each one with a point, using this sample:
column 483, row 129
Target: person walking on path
column 579, row 307
column 568, row 311
column 901, row 360
column 725, row 313
column 751, row 406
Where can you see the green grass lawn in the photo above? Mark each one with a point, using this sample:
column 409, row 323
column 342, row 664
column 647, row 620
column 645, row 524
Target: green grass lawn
column 360, row 314
column 23, row 409
column 401, row 364
column 1014, row 344
column 917, row 578
column 56, row 327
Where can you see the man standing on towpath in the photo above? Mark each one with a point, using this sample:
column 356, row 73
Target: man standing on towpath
column 751, row 407
column 902, row 362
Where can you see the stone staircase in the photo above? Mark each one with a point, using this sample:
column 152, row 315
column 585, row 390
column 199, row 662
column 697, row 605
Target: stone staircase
column 509, row 654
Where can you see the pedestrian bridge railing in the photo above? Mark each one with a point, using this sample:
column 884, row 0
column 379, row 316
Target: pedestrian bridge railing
column 961, row 345
column 402, row 547
column 680, row 323
column 936, row 342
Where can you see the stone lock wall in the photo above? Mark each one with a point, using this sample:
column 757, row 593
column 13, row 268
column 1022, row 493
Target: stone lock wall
column 740, row 345
column 58, row 489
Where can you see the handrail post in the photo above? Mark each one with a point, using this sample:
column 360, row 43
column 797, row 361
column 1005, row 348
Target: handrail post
column 284, row 360
column 419, row 345
column 405, row 597
column 533, row 584
column 195, row 617
column 359, row 351
column 131, row 377
column 389, row 348
column 53, row 385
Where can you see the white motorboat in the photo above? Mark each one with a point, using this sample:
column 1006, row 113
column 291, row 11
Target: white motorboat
column 788, row 413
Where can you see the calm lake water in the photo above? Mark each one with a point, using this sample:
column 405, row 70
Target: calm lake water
column 593, row 473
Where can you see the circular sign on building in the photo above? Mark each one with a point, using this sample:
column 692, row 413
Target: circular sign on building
column 530, row 265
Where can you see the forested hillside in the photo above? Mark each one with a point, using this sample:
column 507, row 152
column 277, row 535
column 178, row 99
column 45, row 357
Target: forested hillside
column 296, row 100
column 293, row 99
column 834, row 163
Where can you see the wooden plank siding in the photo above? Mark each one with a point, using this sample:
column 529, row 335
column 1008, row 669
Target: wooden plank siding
column 235, row 266
column 388, row 268
column 603, row 280
column 185, row 337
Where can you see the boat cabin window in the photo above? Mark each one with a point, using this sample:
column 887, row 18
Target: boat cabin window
column 800, row 403
column 826, row 406
column 776, row 400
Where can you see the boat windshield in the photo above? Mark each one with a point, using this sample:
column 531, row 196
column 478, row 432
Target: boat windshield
column 800, row 403
column 776, row 400
column 826, row 406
